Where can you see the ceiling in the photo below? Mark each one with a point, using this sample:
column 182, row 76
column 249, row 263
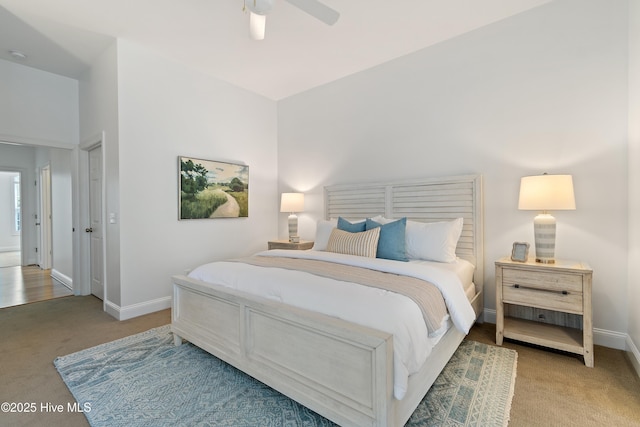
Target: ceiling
column 298, row 53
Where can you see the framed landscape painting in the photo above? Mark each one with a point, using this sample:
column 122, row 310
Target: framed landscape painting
column 212, row 189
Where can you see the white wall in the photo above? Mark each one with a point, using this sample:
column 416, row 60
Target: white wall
column 36, row 106
column 634, row 182
column 98, row 114
column 167, row 110
column 60, row 164
column 544, row 91
column 9, row 239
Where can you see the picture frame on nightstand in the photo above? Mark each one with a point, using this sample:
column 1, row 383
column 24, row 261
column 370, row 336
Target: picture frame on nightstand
column 520, row 252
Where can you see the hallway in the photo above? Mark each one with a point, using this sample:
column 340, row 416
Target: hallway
column 23, row 285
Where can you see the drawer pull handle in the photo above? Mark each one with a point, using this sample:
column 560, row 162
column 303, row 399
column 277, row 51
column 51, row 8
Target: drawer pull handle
column 516, row 286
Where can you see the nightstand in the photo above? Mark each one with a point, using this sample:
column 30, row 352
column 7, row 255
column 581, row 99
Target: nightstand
column 545, row 304
column 286, row 244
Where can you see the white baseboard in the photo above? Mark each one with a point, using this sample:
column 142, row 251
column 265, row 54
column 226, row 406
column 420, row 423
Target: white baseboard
column 135, row 310
column 9, row 248
column 112, row 309
column 603, row 337
column 634, row 354
column 489, row 315
column 611, row 339
column 62, row 278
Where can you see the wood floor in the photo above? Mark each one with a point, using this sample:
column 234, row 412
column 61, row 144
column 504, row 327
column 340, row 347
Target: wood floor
column 23, row 285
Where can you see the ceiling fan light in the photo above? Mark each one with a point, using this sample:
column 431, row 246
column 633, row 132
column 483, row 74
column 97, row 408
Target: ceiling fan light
column 257, row 25
column 261, row 7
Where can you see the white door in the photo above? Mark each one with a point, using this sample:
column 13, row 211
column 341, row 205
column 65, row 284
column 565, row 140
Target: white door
column 95, row 227
column 45, row 218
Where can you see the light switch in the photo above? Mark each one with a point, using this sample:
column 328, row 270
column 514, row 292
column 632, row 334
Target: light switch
column 112, row 217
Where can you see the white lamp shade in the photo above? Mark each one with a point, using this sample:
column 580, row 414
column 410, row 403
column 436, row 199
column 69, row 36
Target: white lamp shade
column 547, row 193
column 292, row 202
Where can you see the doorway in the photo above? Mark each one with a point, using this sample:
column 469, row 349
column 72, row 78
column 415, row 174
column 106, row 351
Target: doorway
column 20, row 283
column 10, row 219
column 68, row 175
column 20, row 202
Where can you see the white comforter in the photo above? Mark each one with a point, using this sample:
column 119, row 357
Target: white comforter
column 376, row 308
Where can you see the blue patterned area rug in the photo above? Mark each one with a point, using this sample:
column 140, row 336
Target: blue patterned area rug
column 144, row 380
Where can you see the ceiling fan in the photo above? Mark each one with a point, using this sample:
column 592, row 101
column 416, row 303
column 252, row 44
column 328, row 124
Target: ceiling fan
column 258, row 10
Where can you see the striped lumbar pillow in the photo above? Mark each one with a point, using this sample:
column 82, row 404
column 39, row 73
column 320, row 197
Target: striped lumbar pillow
column 362, row 244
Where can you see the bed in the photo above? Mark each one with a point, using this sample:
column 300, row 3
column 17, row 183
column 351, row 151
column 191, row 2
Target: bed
column 344, row 369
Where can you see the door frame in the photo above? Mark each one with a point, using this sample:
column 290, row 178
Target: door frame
column 82, row 246
column 45, row 242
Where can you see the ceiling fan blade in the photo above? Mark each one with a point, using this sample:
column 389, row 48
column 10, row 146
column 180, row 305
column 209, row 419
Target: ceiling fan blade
column 317, row 10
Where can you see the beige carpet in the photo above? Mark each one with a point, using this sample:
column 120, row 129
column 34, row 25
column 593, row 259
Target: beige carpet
column 556, row 389
column 32, row 335
column 552, row 389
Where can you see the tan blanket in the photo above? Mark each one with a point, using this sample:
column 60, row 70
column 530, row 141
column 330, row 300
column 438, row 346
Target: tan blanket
column 423, row 293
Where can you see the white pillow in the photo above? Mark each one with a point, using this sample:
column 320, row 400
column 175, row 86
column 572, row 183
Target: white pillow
column 364, row 243
column 433, row 241
column 323, row 231
column 382, row 220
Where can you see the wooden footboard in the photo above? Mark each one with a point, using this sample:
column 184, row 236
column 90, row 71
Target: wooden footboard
column 340, row 370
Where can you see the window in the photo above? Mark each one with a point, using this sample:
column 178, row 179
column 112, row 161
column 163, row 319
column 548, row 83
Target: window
column 17, row 220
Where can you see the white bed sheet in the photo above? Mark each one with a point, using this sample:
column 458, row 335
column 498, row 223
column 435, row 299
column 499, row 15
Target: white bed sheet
column 461, row 268
column 376, row 308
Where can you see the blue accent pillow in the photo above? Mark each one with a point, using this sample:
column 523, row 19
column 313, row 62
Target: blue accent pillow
column 391, row 244
column 351, row 227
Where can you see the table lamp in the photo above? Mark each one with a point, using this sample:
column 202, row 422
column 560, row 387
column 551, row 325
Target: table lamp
column 546, row 193
column 292, row 203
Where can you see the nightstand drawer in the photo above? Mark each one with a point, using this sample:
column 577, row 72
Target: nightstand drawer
column 571, row 283
column 569, row 302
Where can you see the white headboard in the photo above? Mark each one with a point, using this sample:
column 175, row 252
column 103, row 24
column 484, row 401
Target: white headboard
column 425, row 200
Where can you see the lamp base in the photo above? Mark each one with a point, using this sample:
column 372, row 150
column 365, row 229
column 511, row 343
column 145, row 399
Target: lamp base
column 293, row 228
column 544, row 230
